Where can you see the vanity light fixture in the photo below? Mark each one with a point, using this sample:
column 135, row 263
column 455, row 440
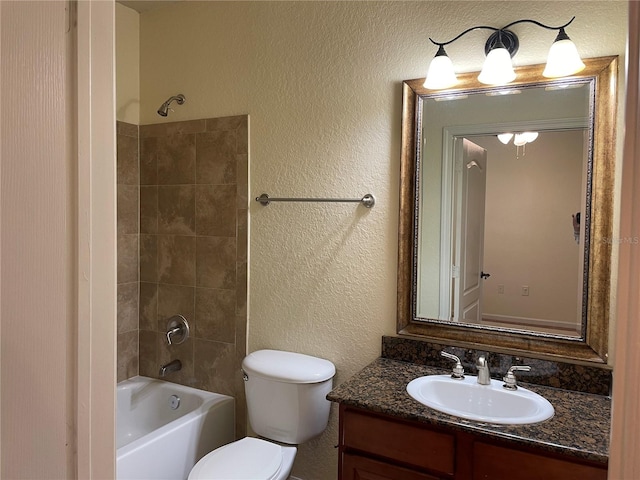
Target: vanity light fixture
column 563, row 59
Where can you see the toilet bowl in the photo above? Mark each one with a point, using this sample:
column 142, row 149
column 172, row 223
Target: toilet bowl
column 246, row 459
column 286, row 401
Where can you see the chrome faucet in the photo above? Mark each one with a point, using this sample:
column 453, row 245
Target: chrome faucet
column 484, row 376
column 172, row 366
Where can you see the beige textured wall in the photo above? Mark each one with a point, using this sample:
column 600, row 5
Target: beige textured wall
column 321, row 83
column 127, row 65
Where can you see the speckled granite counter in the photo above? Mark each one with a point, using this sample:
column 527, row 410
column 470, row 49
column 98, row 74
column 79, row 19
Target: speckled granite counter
column 579, row 428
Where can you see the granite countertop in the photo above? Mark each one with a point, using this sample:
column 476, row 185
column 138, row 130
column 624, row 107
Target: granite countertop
column 580, row 427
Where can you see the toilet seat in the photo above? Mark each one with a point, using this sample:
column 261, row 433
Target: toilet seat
column 246, row 459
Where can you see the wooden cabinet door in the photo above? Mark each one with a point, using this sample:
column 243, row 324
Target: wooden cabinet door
column 493, row 462
column 355, row 467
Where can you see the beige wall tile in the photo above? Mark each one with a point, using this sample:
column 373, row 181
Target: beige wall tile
column 149, row 258
column 215, row 315
column 149, row 364
column 127, row 160
column 174, row 300
column 242, row 286
column 149, row 209
column 127, row 258
column 127, row 307
column 176, row 259
column 127, row 208
column 148, row 306
column 127, row 355
column 176, row 210
column 176, row 156
column 216, row 158
column 215, row 210
column 216, row 262
column 172, row 128
column 226, row 123
column 148, row 161
column 215, row 367
column 242, row 235
column 243, row 137
column 127, row 129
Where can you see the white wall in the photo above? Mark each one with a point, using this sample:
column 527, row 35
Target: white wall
column 321, row 82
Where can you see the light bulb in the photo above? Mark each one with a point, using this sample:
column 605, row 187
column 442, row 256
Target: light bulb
column 440, row 74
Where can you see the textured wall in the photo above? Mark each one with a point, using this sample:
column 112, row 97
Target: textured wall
column 321, row 83
column 127, row 65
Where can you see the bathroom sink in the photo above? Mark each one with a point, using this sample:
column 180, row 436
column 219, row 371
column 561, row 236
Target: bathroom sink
column 468, row 399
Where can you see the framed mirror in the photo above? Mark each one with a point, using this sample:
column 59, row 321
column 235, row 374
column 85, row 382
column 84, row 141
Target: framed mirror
column 506, row 202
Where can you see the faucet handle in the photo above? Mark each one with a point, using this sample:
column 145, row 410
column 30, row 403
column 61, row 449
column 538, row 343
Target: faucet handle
column 177, row 330
column 458, row 369
column 510, row 381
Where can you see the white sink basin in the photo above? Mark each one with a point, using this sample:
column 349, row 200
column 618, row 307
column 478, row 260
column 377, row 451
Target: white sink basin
column 483, row 403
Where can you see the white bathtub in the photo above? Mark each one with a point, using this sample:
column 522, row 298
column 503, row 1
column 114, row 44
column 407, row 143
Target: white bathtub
column 154, row 441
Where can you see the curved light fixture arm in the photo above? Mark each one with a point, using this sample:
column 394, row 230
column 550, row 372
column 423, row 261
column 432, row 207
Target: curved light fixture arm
column 486, row 27
column 548, row 27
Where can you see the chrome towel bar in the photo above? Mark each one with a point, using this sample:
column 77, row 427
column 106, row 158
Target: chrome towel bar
column 368, row 200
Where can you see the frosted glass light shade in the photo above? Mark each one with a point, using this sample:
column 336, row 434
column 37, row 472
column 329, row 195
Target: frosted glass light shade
column 530, row 136
column 563, row 59
column 440, row 74
column 505, row 137
column 497, row 68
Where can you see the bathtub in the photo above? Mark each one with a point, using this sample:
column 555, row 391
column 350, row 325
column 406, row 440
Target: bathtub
column 154, row 440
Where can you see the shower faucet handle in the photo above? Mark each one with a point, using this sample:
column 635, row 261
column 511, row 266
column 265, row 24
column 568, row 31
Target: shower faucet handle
column 177, row 330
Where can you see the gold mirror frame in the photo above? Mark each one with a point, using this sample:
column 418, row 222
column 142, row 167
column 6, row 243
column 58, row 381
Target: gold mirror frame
column 593, row 346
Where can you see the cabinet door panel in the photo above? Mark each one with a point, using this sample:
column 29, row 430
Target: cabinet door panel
column 493, row 462
column 355, row 467
column 410, row 444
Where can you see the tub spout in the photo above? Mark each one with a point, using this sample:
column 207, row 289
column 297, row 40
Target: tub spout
column 172, row 366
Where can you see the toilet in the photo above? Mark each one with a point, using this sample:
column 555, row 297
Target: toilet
column 286, row 400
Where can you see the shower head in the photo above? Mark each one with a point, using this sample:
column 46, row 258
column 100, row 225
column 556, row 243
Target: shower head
column 163, row 111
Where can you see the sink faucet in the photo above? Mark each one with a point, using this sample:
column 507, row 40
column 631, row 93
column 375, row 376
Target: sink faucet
column 172, row 366
column 484, row 377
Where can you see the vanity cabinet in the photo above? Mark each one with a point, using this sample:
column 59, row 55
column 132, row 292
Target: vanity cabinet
column 375, row 446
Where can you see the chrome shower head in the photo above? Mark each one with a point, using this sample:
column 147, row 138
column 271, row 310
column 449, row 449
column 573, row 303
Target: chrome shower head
column 163, row 111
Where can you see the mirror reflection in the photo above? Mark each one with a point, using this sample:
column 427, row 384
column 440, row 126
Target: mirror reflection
column 503, row 187
column 491, row 250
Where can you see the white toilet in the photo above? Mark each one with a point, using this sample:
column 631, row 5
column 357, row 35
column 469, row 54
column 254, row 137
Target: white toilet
column 286, row 400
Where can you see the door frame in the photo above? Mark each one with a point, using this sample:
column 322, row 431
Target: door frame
column 96, row 220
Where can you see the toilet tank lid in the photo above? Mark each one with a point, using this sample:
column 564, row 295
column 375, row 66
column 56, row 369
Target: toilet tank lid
column 288, row 366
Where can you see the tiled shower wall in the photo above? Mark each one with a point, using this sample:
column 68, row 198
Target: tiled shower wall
column 128, row 239
column 193, row 187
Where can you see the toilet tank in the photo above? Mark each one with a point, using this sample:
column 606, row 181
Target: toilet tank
column 286, row 394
